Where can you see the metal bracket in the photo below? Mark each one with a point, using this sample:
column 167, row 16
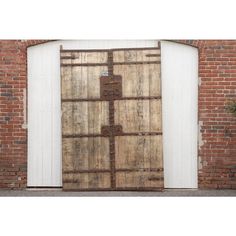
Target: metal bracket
column 111, row 130
column 110, row 87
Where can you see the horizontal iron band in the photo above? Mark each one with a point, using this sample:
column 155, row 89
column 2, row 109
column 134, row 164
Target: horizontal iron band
column 65, row 189
column 140, row 169
column 68, row 57
column 84, row 50
column 155, row 178
column 107, row 50
column 82, row 135
column 140, row 134
column 133, row 49
column 114, row 63
column 150, row 189
column 85, row 64
column 100, row 135
column 87, row 171
column 72, row 57
column 153, row 55
column 100, row 99
column 136, row 63
column 117, row 170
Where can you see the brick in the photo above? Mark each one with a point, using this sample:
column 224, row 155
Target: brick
column 13, row 80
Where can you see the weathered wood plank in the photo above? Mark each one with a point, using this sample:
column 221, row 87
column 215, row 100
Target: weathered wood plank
column 84, row 117
column 138, row 115
column 86, row 181
column 84, row 57
column 85, row 153
column 82, row 81
column 79, row 82
column 153, row 73
column 66, row 82
column 136, row 55
column 139, row 80
column 139, row 180
column 156, row 152
column 130, row 152
column 155, row 115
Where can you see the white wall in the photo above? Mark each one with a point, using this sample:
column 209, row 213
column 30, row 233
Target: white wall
column 179, row 69
column 44, row 117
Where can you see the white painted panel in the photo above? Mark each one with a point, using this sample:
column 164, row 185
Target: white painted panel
column 44, row 117
column 179, row 69
column 44, row 154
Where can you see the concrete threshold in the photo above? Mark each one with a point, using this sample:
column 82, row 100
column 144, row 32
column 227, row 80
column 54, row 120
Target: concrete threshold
column 58, row 192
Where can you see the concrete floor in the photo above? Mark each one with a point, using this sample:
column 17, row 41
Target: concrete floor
column 166, row 193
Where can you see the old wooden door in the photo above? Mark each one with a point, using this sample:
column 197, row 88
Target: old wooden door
column 111, row 119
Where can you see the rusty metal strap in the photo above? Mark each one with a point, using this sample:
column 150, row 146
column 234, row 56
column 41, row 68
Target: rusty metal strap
column 134, row 49
column 117, row 170
column 153, row 55
column 103, row 99
column 107, row 50
column 136, row 63
column 153, row 189
column 114, row 63
column 84, row 64
column 83, row 50
column 107, row 135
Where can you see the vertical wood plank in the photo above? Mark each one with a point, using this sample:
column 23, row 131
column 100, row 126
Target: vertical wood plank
column 139, row 152
column 84, row 117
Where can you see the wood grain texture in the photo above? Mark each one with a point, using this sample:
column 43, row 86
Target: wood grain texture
column 139, row 152
column 86, row 181
column 84, row 117
column 136, row 55
column 85, row 153
column 139, row 115
column 139, row 179
column 83, row 57
column 82, row 81
column 139, row 80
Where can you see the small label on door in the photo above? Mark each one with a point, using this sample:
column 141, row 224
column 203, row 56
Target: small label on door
column 104, row 73
column 110, row 87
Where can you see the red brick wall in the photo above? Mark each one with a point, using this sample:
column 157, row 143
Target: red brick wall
column 13, row 133
column 217, row 136
column 217, row 132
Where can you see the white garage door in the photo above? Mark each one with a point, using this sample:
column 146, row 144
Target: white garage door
column 44, row 113
column 179, row 68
